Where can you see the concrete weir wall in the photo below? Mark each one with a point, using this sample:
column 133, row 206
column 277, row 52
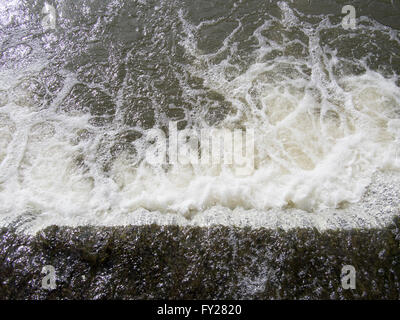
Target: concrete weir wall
column 171, row 262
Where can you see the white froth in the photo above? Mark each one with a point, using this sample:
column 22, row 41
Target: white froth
column 320, row 143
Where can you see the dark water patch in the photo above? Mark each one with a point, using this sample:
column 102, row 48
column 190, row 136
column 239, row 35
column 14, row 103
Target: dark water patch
column 156, row 262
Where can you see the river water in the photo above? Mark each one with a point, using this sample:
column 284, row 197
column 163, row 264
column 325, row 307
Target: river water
column 79, row 97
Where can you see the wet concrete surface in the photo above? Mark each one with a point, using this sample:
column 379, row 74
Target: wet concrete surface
column 171, row 262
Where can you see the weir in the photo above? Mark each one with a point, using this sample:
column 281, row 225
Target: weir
column 199, row 149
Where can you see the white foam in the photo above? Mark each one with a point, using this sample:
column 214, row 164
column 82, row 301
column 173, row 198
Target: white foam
column 320, row 142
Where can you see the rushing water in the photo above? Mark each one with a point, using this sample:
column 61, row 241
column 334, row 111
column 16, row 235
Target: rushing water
column 77, row 102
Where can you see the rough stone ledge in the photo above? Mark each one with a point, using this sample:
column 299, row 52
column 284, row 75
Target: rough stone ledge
column 171, row 262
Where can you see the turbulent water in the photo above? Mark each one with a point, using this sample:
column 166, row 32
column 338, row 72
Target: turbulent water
column 77, row 103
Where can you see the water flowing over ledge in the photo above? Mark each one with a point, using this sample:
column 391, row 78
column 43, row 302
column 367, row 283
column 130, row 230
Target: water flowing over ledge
column 77, row 102
column 80, row 90
column 171, row 262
